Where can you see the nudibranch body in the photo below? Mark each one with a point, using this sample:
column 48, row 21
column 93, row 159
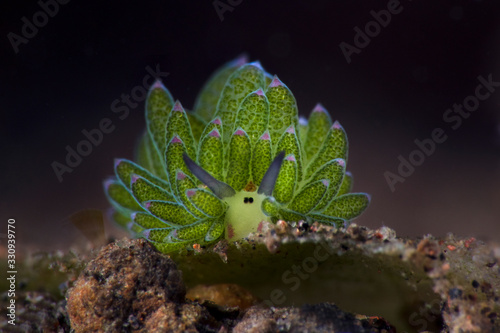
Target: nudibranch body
column 240, row 158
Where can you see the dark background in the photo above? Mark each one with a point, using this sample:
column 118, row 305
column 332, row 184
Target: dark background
column 393, row 92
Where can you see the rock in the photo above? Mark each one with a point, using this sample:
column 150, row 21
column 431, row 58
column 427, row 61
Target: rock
column 468, row 282
column 35, row 312
column 129, row 287
column 433, row 284
column 187, row 317
column 257, row 320
column 122, row 287
column 314, row 279
column 323, row 317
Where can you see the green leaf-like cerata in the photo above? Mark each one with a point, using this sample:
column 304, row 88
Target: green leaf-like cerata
column 241, row 157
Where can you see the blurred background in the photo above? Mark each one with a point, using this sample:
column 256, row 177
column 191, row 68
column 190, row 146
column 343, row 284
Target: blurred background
column 62, row 77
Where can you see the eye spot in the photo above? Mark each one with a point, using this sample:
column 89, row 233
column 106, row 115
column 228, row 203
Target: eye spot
column 248, row 200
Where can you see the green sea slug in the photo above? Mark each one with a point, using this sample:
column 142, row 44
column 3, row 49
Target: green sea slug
column 240, row 158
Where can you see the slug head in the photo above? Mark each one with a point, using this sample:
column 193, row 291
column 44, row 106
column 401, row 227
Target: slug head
column 244, row 214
